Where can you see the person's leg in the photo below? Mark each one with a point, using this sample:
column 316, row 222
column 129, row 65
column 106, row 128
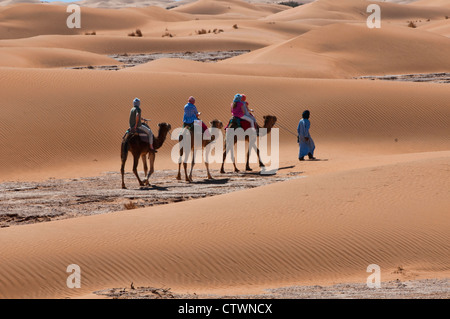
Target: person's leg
column 249, row 119
column 149, row 133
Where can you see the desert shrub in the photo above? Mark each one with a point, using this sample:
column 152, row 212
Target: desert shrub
column 235, row 26
column 412, row 24
column 202, row 31
column 138, row 33
column 292, row 4
column 446, row 17
column 130, row 205
column 167, row 34
column 132, row 34
column 91, row 33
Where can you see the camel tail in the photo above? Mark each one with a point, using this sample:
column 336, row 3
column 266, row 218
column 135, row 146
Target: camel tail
column 124, row 148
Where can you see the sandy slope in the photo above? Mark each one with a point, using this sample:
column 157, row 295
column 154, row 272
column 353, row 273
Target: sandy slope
column 356, row 10
column 50, row 58
column 328, row 227
column 380, row 195
column 66, row 124
column 342, row 50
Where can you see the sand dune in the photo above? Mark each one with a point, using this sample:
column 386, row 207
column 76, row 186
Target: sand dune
column 438, row 27
column 50, row 58
column 433, row 3
column 95, row 115
column 343, row 50
column 356, row 10
column 27, row 20
column 119, row 45
column 328, row 227
column 229, row 8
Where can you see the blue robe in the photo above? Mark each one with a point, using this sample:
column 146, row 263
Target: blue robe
column 303, row 131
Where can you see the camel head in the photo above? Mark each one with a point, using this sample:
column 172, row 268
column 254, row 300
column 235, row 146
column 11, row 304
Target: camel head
column 216, row 124
column 164, row 128
column 269, row 122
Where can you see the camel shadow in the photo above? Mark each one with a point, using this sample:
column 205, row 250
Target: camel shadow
column 153, row 187
column 220, row 181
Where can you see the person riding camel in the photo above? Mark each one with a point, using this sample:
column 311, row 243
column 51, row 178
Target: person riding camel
column 191, row 115
column 238, row 110
column 247, row 111
column 136, row 124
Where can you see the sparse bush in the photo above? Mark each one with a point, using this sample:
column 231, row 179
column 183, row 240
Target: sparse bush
column 412, row 24
column 130, row 205
column 202, row 31
column 91, row 33
column 235, row 26
column 167, row 34
column 137, row 33
column 292, row 4
column 446, row 17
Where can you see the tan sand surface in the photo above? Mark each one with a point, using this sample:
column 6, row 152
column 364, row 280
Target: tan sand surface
column 378, row 195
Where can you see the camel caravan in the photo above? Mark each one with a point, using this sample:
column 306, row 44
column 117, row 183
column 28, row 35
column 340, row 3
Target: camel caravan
column 193, row 137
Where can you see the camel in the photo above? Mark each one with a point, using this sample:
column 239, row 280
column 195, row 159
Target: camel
column 131, row 142
column 214, row 124
column 269, row 122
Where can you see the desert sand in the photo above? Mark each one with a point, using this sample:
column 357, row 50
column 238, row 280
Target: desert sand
column 379, row 193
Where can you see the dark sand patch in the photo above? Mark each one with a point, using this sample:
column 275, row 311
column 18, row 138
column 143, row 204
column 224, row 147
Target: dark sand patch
column 425, row 77
column 396, row 289
column 32, row 202
column 131, row 60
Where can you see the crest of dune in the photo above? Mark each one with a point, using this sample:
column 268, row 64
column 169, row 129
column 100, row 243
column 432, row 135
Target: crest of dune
column 355, row 10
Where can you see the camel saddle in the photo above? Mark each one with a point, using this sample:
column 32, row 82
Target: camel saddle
column 130, row 133
column 238, row 123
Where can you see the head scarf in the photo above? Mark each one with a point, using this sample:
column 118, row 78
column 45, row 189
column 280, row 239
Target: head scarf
column 191, row 100
column 136, row 102
column 305, row 114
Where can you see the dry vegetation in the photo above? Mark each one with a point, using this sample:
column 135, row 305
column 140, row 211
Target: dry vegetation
column 136, row 33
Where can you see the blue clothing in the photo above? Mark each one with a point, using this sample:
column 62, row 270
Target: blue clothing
column 190, row 113
column 303, row 132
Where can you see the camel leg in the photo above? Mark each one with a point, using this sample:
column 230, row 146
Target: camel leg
column 180, row 160
column 192, row 166
column 122, row 171
column 222, row 170
column 185, row 172
column 207, row 170
column 135, row 165
column 261, row 164
column 234, row 157
column 247, row 165
column 144, row 161
column 179, row 171
column 151, row 158
column 234, row 164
